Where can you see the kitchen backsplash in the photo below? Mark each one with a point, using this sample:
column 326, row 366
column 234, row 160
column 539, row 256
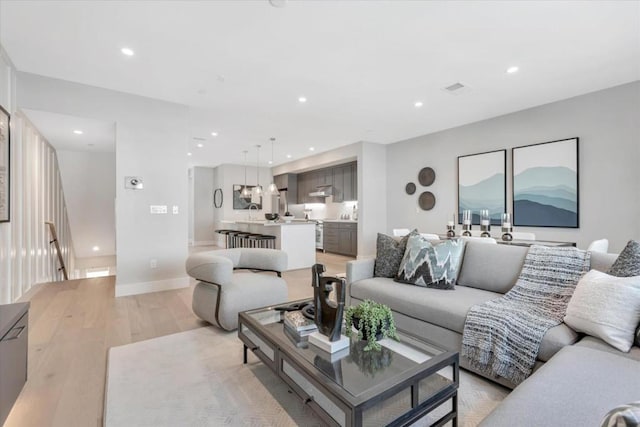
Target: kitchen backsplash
column 323, row 210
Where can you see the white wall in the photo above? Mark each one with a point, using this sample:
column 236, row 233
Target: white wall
column 203, row 230
column 89, row 182
column 151, row 142
column 36, row 196
column 608, row 125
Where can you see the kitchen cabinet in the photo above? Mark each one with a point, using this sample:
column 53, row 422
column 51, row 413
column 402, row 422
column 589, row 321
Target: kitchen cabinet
column 288, row 182
column 308, row 183
column 345, row 182
column 14, row 333
column 341, row 238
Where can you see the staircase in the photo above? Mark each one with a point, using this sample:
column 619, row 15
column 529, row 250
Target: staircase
column 56, row 245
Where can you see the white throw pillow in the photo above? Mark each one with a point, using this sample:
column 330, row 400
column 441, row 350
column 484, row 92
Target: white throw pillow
column 606, row 307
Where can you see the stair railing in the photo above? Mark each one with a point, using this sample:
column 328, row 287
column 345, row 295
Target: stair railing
column 56, row 245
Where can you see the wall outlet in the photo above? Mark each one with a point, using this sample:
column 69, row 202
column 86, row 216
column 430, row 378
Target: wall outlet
column 153, row 263
column 175, row 210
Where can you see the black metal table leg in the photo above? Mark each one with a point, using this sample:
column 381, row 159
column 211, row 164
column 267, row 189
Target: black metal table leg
column 244, row 354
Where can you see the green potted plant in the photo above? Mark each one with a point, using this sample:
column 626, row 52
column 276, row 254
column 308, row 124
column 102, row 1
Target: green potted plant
column 373, row 322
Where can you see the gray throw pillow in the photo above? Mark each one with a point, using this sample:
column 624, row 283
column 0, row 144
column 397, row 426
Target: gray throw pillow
column 637, row 340
column 389, row 253
column 623, row 416
column 628, row 262
column 431, row 265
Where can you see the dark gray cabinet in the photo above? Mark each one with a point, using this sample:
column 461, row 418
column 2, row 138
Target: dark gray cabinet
column 345, row 182
column 341, row 238
column 308, row 183
column 288, row 182
column 14, row 332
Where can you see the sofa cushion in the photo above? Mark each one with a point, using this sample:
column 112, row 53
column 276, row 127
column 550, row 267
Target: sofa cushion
column 447, row 309
column 389, row 253
column 555, row 340
column 577, row 387
column 606, row 307
column 598, row 344
column 493, row 268
column 602, row 261
column 431, row 265
column 628, row 262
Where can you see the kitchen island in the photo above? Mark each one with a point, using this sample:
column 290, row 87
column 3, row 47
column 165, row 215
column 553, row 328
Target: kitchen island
column 297, row 238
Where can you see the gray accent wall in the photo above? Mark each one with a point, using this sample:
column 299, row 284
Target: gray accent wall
column 608, row 125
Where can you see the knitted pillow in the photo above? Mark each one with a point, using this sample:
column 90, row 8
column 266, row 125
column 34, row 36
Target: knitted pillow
column 389, row 252
column 628, row 262
column 429, row 265
column 623, row 416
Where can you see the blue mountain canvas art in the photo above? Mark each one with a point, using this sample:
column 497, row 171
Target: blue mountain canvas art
column 481, row 185
column 545, row 184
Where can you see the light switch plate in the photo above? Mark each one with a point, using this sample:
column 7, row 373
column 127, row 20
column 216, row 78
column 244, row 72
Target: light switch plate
column 157, row 209
column 175, row 209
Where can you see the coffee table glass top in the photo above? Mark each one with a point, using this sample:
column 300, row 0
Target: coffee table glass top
column 353, row 369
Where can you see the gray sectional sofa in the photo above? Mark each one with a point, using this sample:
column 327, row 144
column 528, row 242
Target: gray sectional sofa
column 569, row 366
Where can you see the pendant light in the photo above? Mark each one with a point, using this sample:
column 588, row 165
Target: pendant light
column 273, row 189
column 245, row 193
column 257, row 190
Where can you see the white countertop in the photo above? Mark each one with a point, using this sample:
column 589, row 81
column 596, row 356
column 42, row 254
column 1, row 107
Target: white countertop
column 268, row 223
column 352, row 221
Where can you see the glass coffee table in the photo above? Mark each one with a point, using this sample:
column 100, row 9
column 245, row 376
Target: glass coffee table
column 405, row 381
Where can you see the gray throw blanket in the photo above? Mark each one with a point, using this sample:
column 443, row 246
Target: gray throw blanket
column 502, row 337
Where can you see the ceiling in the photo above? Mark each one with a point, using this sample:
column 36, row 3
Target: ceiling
column 242, row 65
column 59, row 130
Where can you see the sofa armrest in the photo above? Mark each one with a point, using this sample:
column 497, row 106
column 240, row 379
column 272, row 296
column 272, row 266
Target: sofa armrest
column 360, row 269
column 263, row 259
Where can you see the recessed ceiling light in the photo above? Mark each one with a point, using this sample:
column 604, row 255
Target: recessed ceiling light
column 127, row 51
column 214, row 133
column 96, row 248
column 512, row 70
column 418, row 104
column 188, row 154
column 90, row 145
column 270, row 162
column 78, row 132
column 311, row 148
column 288, row 156
column 200, row 145
column 302, row 100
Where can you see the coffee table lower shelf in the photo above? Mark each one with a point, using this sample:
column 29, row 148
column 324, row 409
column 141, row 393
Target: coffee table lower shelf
column 399, row 400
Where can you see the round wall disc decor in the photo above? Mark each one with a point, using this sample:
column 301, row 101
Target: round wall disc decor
column 410, row 188
column 426, row 176
column 427, row 201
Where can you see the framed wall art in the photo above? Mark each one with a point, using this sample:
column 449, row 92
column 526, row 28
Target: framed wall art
column 482, row 185
column 5, row 161
column 545, row 184
column 242, row 203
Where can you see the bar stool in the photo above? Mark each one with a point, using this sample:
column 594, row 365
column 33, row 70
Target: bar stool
column 232, row 236
column 254, row 239
column 242, row 239
column 267, row 241
column 225, row 232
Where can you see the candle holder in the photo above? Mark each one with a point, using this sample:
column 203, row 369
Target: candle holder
column 485, row 223
column 451, row 227
column 506, row 227
column 466, row 223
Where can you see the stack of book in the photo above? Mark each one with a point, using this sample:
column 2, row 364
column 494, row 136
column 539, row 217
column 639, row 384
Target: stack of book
column 298, row 325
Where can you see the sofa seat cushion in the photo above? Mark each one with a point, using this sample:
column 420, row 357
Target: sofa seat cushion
column 598, row 344
column 577, row 387
column 445, row 308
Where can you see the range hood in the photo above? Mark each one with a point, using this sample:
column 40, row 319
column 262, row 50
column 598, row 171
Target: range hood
column 322, row 191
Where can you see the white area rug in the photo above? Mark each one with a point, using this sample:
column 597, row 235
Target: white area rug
column 197, row 378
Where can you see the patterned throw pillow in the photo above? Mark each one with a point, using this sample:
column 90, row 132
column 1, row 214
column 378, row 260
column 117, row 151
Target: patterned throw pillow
column 628, row 262
column 637, row 341
column 389, row 253
column 432, row 266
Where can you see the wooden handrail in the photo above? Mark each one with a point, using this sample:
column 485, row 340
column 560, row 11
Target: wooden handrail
column 54, row 237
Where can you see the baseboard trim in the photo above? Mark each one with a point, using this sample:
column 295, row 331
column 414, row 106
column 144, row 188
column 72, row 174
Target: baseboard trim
column 147, row 287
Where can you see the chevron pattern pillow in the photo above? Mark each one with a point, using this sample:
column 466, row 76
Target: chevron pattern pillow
column 432, row 266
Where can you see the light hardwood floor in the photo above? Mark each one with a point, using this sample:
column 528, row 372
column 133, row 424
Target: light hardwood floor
column 74, row 323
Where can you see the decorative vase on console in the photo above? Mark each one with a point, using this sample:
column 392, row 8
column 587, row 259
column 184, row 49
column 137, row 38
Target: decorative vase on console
column 466, row 223
column 451, row 227
column 485, row 223
column 506, row 227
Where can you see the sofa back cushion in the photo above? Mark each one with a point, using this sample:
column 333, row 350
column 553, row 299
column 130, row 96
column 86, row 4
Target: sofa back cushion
column 493, row 268
column 602, row 261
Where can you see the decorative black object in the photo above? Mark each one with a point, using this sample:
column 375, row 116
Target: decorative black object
column 328, row 314
column 5, row 162
column 426, row 176
column 271, row 216
column 427, row 201
column 217, row 198
column 410, row 188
